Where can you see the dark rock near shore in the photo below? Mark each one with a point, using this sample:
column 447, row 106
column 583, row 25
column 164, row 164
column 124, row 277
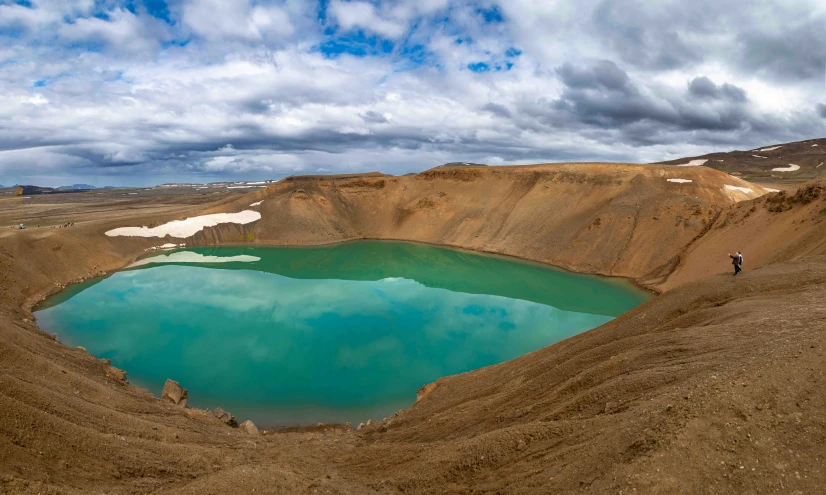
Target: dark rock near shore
column 226, row 417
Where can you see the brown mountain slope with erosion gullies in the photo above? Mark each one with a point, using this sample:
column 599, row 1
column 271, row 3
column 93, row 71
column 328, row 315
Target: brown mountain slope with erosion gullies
column 715, row 386
column 610, row 219
column 781, row 164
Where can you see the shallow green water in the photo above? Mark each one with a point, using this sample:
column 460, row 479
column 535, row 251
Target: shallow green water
column 331, row 334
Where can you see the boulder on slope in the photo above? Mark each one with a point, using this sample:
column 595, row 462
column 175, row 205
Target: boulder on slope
column 174, row 393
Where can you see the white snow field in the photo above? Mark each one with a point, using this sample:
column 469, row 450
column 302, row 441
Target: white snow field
column 693, row 163
column 741, row 189
column 187, row 228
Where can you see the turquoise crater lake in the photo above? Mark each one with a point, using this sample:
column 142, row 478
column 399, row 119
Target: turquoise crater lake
column 348, row 332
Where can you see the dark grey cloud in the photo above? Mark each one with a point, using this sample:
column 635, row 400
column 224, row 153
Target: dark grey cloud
column 705, row 88
column 497, row 109
column 641, row 37
column 821, row 110
column 373, row 117
column 602, row 101
column 794, row 52
column 605, row 74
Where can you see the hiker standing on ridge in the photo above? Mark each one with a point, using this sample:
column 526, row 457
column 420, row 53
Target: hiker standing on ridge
column 737, row 261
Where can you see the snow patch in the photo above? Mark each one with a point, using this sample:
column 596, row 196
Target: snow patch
column 770, row 149
column 814, row 146
column 693, row 163
column 741, row 189
column 243, row 187
column 758, row 156
column 791, row 168
column 257, row 203
column 680, row 181
column 190, row 257
column 187, row 228
column 165, row 246
column 771, row 190
column 254, row 183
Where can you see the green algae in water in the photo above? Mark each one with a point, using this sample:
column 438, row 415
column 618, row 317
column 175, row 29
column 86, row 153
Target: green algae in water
column 325, row 334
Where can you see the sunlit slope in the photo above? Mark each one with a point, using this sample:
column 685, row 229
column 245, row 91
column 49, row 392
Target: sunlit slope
column 603, row 218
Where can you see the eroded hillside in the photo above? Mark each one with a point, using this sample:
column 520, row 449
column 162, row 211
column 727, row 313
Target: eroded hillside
column 610, row 219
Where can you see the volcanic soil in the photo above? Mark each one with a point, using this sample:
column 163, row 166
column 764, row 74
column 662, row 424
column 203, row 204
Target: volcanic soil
column 714, row 386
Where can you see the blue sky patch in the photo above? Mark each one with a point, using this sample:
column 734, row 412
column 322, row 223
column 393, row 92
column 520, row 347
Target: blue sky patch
column 356, row 43
column 479, row 67
column 492, row 15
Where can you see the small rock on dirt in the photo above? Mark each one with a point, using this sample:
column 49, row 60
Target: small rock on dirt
column 249, row 427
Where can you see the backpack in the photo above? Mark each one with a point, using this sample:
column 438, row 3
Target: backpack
column 740, row 259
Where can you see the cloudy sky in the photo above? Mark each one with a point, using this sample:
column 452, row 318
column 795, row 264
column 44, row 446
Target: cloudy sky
column 141, row 92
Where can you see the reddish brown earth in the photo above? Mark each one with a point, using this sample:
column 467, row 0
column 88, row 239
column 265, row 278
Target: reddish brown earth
column 715, row 386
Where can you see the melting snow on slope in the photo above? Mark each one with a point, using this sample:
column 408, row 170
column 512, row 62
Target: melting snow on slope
column 188, row 227
column 680, row 181
column 758, row 156
column 693, row 163
column 190, row 257
column 741, row 189
column 257, row 203
column 771, row 190
column 770, row 149
column 791, row 168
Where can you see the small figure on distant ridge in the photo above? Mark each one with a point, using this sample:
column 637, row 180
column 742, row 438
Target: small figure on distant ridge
column 737, row 261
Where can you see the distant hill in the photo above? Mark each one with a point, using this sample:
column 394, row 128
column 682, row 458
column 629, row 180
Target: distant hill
column 76, row 187
column 462, row 164
column 788, row 162
column 32, row 190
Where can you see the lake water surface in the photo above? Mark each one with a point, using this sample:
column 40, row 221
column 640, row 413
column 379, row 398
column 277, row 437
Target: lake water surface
column 347, row 332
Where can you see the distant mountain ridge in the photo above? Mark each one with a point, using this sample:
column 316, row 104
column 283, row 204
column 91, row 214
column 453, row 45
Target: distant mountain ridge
column 76, row 187
column 783, row 162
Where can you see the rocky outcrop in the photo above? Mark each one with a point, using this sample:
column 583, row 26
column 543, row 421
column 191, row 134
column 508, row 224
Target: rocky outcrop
column 174, row 393
column 249, row 427
column 226, row 417
column 425, row 390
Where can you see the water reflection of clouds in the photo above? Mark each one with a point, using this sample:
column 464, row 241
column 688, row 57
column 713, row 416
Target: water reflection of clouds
column 267, row 338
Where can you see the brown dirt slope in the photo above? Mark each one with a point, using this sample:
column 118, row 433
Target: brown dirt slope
column 715, row 386
column 599, row 218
